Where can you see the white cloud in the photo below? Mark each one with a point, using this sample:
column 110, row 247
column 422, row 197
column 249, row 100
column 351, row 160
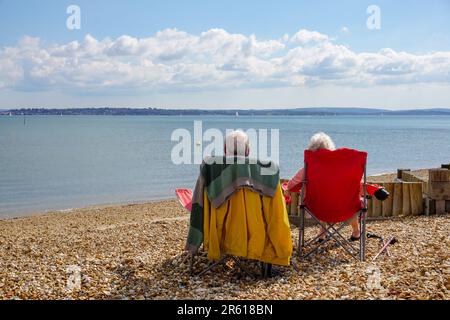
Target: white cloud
column 10, row 72
column 305, row 36
column 172, row 60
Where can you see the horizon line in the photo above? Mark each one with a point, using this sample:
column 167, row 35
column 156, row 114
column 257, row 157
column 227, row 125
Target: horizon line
column 227, row 109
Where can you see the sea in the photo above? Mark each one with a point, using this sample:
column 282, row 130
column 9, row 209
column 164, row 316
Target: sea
column 64, row 162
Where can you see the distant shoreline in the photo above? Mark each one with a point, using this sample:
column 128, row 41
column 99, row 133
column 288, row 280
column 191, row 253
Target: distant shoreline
column 225, row 112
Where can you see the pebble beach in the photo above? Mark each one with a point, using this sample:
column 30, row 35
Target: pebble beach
column 136, row 252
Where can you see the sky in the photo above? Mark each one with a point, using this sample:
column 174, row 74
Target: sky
column 224, row 54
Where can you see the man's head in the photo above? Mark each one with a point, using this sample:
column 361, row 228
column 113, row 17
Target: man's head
column 237, row 144
column 321, row 141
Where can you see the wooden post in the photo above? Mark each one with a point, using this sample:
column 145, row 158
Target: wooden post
column 416, row 198
column 439, row 175
column 431, row 206
column 440, row 206
column 370, row 207
column 410, row 177
column 400, row 173
column 406, row 206
column 427, row 206
column 387, row 204
column 439, row 185
column 376, row 208
column 397, row 205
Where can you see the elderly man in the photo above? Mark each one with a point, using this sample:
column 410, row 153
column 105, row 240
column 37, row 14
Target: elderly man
column 237, row 209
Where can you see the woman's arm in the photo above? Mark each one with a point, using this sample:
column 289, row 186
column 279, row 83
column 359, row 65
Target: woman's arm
column 295, row 184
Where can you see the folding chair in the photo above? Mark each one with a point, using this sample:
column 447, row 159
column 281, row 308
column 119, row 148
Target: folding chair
column 331, row 195
column 278, row 227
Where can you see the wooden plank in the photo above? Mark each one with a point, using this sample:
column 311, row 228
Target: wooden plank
column 377, row 209
column 440, row 206
column 432, row 204
column 428, row 206
column 370, row 208
column 439, row 175
column 439, row 190
column 406, row 204
column 416, row 198
column 411, row 177
column 388, row 203
column 294, row 204
column 400, row 173
column 397, row 200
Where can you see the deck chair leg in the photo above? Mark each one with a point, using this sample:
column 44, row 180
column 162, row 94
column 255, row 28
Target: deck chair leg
column 269, row 270
column 333, row 235
column 191, row 263
column 362, row 221
column 362, row 238
column 265, row 270
column 221, row 260
column 344, row 241
column 330, row 235
column 212, row 265
column 301, row 232
column 239, row 264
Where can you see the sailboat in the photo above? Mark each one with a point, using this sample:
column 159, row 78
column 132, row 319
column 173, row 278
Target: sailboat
column 237, row 114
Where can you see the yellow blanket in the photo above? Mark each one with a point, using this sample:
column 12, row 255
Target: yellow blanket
column 249, row 225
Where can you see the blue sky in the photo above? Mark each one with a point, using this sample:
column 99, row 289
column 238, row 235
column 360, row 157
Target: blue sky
column 279, row 71
column 414, row 25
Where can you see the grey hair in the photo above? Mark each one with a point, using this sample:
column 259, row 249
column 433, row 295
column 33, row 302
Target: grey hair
column 321, row 141
column 237, row 144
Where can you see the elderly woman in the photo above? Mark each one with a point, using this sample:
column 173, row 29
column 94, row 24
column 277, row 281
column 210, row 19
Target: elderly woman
column 321, row 141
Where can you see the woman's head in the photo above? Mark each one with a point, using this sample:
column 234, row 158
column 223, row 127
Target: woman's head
column 321, row 141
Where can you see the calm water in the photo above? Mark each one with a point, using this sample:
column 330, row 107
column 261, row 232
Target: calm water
column 64, row 162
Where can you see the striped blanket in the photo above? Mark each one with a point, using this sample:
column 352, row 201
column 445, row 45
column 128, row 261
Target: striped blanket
column 219, row 178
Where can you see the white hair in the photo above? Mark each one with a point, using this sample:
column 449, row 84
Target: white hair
column 321, row 141
column 237, row 144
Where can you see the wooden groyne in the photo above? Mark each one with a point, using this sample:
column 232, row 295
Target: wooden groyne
column 410, row 195
column 437, row 195
column 405, row 199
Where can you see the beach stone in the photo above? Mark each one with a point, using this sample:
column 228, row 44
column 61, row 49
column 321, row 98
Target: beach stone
column 135, row 252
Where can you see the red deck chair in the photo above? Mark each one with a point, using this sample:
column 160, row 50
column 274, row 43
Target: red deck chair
column 331, row 195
